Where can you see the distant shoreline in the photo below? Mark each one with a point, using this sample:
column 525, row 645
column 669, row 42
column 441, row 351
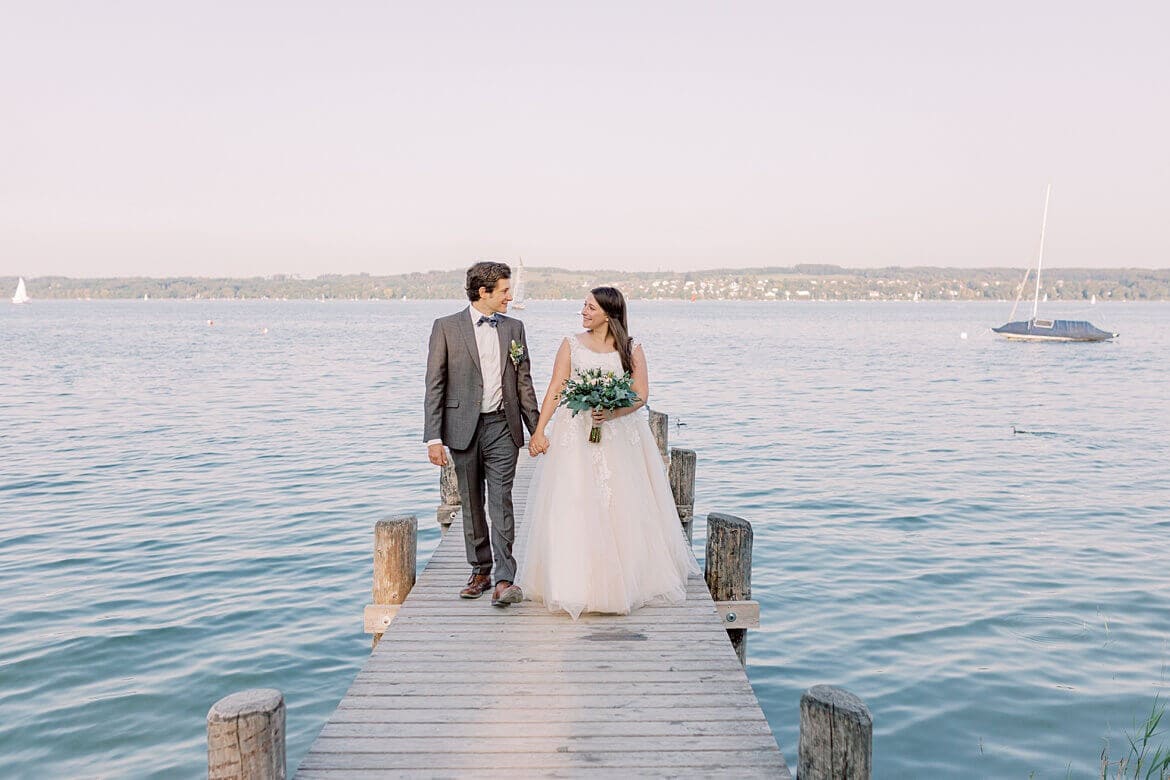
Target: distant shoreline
column 796, row 283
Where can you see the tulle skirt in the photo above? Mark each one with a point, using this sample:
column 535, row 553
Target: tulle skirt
column 600, row 531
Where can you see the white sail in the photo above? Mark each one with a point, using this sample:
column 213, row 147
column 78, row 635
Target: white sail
column 518, row 286
column 1040, row 254
column 21, row 295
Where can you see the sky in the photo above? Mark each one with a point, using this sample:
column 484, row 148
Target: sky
column 253, row 138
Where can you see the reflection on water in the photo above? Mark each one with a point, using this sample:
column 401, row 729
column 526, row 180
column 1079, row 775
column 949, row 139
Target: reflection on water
column 970, row 534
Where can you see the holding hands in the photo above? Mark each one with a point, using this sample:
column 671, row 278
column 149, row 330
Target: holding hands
column 537, row 444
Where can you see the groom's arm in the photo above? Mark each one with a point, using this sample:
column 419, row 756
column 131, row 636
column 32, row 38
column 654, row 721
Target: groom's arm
column 527, row 393
column 436, row 385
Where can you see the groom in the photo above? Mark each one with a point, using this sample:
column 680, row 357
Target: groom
column 478, row 390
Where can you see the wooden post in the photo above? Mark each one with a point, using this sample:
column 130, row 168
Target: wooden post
column 660, row 427
column 728, row 569
column 450, row 502
column 682, row 484
column 395, row 551
column 836, row 736
column 245, row 736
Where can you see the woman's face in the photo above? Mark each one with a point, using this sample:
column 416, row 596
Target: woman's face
column 592, row 315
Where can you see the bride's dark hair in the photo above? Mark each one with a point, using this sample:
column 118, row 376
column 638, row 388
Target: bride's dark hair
column 613, row 303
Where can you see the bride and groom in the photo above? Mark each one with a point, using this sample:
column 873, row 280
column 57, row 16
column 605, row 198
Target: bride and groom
column 603, row 532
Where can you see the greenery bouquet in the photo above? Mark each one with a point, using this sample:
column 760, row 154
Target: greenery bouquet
column 596, row 389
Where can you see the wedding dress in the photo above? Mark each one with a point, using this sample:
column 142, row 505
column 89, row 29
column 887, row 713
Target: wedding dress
column 603, row 534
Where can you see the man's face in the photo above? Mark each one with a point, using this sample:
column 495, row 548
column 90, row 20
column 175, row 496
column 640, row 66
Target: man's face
column 498, row 299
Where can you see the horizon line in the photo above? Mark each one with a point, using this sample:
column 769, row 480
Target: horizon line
column 727, row 269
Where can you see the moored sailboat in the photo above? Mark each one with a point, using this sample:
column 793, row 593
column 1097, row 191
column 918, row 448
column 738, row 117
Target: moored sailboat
column 1036, row 329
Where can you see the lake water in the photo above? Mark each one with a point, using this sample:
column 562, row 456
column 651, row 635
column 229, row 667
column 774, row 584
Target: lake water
column 187, row 510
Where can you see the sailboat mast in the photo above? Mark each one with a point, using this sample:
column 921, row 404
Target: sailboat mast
column 1040, row 258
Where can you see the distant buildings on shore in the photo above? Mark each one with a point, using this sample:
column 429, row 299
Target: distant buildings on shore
column 797, row 283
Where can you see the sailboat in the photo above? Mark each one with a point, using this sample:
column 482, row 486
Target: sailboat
column 1037, row 329
column 21, row 295
column 518, row 286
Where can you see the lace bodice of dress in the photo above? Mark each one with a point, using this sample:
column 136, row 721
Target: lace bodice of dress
column 582, row 358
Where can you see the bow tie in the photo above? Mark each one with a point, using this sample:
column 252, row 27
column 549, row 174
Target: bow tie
column 493, row 320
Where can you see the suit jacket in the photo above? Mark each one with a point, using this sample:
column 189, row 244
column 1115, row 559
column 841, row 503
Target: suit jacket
column 454, row 382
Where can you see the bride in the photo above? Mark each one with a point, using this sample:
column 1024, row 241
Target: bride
column 603, row 531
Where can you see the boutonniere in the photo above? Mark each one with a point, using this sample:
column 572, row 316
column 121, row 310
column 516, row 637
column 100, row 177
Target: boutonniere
column 516, row 352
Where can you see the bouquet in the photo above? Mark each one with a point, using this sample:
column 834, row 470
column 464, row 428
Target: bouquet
column 596, row 389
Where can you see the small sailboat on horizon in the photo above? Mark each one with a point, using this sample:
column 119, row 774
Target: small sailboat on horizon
column 21, row 294
column 518, row 286
column 1037, row 329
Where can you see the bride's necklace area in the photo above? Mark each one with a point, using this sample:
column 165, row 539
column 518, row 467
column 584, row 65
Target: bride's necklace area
column 600, row 346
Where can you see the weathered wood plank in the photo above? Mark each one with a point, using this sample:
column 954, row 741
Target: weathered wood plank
column 569, row 690
column 468, row 674
column 650, row 670
column 570, row 634
column 543, row 620
column 544, row 728
column 742, row 773
column 521, row 652
column 459, row 703
column 550, row 759
column 404, row 714
column 565, row 744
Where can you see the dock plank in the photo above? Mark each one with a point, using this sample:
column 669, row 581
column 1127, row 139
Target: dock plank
column 457, row 688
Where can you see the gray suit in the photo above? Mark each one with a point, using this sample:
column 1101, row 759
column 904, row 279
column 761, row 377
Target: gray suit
column 483, row 446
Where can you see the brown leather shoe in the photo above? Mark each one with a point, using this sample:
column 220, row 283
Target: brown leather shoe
column 477, row 585
column 505, row 593
column 509, row 595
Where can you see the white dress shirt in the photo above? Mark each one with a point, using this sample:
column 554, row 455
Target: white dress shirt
column 487, row 340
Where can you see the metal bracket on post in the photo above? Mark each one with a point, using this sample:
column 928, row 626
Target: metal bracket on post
column 446, row 514
column 379, row 616
column 686, row 516
column 739, row 614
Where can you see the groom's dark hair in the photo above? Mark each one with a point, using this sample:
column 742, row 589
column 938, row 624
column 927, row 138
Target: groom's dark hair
column 485, row 275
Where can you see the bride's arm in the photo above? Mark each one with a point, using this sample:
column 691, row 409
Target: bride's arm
column 641, row 386
column 561, row 368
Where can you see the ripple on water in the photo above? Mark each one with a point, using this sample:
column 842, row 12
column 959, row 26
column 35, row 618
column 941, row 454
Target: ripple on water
column 1047, row 629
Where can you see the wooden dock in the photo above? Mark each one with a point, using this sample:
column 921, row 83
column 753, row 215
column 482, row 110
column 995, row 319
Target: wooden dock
column 458, row 688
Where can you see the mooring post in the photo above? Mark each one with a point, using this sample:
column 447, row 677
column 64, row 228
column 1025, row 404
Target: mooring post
column 449, row 501
column 682, row 484
column 395, row 556
column 836, row 736
column 728, row 570
column 245, row 736
column 659, row 426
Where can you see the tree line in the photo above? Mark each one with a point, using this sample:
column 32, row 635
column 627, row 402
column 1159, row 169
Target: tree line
column 799, row 282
